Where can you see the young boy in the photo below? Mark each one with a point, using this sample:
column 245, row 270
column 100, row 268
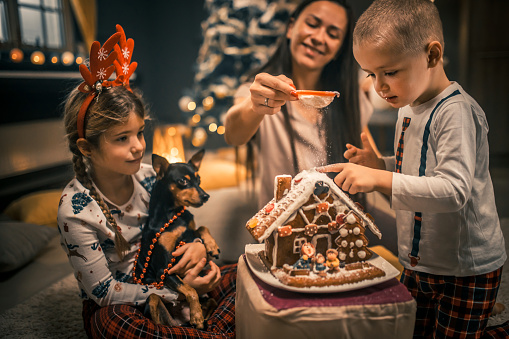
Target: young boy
column 449, row 237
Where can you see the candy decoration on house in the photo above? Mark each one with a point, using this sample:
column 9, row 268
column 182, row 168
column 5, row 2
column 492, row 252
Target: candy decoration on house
column 238, row 36
column 352, row 242
column 312, row 209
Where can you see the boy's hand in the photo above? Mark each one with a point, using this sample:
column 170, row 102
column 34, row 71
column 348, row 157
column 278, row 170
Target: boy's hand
column 364, row 156
column 206, row 283
column 354, row 178
column 191, row 253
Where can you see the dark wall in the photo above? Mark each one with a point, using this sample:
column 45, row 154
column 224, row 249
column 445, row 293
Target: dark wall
column 167, row 36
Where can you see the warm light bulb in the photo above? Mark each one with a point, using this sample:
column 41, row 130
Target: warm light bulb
column 54, row 59
column 191, row 106
column 220, row 130
column 208, row 103
column 174, row 151
column 16, row 55
column 79, row 60
column 212, row 127
column 37, row 58
column 196, row 118
column 172, row 131
column 199, row 137
column 67, row 58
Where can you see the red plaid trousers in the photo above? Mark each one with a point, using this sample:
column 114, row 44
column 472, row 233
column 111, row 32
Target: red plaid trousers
column 125, row 321
column 454, row 307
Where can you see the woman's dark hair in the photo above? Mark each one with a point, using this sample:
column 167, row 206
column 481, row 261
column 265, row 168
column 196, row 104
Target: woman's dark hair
column 342, row 117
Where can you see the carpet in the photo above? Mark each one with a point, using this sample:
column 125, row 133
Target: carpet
column 52, row 313
column 56, row 311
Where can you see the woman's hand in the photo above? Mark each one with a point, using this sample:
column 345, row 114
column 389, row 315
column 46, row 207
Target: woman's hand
column 269, row 93
column 365, row 156
column 206, row 283
column 192, row 254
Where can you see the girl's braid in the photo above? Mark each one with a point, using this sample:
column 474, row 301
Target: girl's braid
column 80, row 169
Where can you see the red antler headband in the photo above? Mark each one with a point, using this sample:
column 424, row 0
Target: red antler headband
column 103, row 61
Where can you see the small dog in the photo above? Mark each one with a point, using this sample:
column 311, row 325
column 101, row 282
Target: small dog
column 177, row 186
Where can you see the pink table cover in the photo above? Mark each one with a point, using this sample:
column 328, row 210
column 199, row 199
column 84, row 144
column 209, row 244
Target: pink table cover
column 385, row 310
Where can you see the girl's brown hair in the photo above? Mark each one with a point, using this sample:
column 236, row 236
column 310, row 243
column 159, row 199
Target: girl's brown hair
column 111, row 107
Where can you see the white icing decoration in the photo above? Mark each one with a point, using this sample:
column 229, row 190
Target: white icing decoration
column 351, row 219
column 356, row 231
column 343, row 232
column 344, row 243
column 350, row 231
column 342, row 256
column 351, row 254
column 359, row 243
column 351, row 244
column 361, row 254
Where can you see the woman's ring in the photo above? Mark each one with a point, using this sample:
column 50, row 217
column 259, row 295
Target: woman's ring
column 266, row 102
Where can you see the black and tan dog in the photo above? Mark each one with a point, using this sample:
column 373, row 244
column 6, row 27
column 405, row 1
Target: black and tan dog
column 177, row 186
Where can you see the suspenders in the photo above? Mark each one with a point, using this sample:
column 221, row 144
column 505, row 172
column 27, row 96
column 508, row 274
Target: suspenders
column 414, row 254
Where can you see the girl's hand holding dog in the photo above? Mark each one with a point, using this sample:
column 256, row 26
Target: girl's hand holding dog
column 206, row 283
column 192, row 253
column 364, row 156
column 355, row 178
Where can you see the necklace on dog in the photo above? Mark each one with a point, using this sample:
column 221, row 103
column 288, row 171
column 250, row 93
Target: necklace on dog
column 160, row 284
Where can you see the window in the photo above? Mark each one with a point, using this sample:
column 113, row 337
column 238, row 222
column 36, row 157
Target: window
column 297, row 244
column 3, row 22
column 41, row 23
column 44, row 25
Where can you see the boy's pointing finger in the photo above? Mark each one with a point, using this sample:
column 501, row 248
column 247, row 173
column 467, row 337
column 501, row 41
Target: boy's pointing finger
column 331, row 168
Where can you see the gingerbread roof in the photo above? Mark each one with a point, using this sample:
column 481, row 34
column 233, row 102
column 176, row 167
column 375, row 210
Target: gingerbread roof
column 275, row 213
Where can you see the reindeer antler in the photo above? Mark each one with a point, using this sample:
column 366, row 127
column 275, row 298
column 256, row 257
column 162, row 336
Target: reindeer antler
column 103, row 61
column 123, row 66
column 101, row 65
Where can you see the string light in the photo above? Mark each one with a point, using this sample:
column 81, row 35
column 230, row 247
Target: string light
column 220, row 130
column 208, row 103
column 199, row 137
column 67, row 58
column 183, row 102
column 54, row 59
column 196, row 118
column 16, row 55
column 37, row 58
column 213, row 127
column 171, row 131
column 191, row 106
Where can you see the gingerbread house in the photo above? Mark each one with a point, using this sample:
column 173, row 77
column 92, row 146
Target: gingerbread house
column 311, row 208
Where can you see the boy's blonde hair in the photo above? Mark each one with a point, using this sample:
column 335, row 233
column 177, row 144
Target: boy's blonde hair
column 405, row 26
column 111, row 107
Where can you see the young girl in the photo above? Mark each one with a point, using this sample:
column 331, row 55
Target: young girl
column 102, row 211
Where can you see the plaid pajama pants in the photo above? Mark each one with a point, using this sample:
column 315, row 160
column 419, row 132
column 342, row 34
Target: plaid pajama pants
column 125, row 321
column 454, row 307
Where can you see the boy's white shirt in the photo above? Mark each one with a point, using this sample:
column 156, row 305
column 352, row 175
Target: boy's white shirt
column 460, row 232
column 83, row 228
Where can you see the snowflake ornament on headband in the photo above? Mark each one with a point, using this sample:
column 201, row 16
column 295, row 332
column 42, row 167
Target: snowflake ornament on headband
column 102, row 62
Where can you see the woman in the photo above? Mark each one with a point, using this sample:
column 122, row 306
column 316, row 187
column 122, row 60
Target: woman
column 315, row 54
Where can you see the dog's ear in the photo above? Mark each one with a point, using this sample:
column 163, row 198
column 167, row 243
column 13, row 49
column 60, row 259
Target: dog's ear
column 196, row 159
column 160, row 165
